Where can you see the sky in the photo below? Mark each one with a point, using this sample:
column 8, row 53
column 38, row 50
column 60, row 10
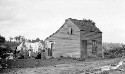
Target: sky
column 40, row 18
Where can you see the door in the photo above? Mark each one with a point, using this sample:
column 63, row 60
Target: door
column 83, row 48
column 50, row 49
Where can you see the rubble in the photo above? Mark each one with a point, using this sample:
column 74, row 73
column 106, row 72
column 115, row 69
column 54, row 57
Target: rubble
column 112, row 67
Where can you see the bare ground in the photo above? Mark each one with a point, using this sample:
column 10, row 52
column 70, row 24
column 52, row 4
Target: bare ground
column 67, row 66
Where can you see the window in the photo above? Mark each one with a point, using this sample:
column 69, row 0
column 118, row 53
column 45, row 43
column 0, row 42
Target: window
column 94, row 43
column 70, row 31
column 94, row 46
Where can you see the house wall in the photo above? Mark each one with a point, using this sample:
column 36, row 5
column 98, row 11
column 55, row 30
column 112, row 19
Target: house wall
column 66, row 44
column 89, row 36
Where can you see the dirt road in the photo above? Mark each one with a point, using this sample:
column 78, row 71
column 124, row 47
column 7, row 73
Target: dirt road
column 90, row 67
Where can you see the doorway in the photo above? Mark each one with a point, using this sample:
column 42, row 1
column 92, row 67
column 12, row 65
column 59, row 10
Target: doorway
column 50, row 48
column 83, row 48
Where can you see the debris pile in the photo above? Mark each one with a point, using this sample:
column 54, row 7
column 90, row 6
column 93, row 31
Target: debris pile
column 112, row 67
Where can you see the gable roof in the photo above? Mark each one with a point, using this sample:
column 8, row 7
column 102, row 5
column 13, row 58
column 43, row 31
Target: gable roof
column 84, row 24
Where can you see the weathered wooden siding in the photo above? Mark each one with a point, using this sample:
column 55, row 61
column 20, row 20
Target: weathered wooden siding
column 66, row 44
column 89, row 36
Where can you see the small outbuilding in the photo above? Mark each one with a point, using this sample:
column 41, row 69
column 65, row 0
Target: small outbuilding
column 76, row 38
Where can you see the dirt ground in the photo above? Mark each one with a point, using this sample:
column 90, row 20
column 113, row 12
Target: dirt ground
column 66, row 66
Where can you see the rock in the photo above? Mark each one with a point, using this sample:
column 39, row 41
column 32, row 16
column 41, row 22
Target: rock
column 105, row 68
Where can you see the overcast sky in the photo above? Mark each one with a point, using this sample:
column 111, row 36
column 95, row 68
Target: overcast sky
column 40, row 18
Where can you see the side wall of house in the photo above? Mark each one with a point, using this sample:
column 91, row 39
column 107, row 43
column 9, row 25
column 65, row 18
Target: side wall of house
column 66, row 44
column 89, row 36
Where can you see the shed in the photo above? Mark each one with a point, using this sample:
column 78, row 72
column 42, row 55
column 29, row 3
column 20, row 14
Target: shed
column 77, row 39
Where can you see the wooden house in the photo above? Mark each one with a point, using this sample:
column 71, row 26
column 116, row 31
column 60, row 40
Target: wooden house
column 77, row 39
